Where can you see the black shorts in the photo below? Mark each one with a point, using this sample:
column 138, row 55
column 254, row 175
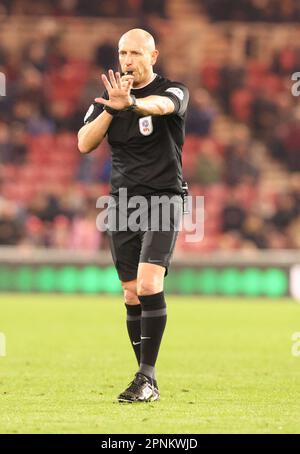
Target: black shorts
column 151, row 240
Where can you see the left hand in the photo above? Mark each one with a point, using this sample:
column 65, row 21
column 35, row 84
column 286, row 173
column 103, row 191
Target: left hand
column 118, row 91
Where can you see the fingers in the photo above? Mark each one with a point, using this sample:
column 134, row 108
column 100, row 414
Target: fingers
column 127, row 82
column 127, row 78
column 115, row 81
column 118, row 79
column 130, row 83
column 102, row 101
column 124, row 85
column 112, row 79
column 116, row 86
column 106, row 83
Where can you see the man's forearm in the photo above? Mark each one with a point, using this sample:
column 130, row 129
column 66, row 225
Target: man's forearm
column 92, row 134
column 154, row 105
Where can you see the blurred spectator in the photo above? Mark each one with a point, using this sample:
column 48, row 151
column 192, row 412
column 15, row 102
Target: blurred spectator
column 253, row 230
column 264, row 113
column 210, row 164
column 61, row 232
column 45, row 207
column 231, row 78
column 35, row 231
column 18, row 144
column 286, row 211
column 65, row 7
column 3, row 56
column 84, row 234
column 106, row 56
column 10, row 231
column 293, row 232
column 233, row 215
column 285, row 61
column 154, row 7
column 5, row 144
column 239, row 166
column 36, row 55
column 13, row 145
column 201, row 113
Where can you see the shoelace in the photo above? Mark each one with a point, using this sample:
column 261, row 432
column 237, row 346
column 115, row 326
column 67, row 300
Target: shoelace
column 135, row 384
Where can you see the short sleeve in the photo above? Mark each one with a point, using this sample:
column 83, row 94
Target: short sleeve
column 94, row 110
column 179, row 94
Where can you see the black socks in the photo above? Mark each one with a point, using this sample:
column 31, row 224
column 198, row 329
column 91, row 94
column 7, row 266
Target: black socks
column 133, row 322
column 153, row 322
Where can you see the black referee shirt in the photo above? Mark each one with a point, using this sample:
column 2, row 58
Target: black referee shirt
column 146, row 150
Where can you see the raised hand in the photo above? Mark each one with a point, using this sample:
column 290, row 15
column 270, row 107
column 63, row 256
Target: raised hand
column 118, row 90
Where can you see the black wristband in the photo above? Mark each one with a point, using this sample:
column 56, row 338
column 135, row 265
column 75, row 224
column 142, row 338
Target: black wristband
column 133, row 105
column 111, row 111
column 115, row 112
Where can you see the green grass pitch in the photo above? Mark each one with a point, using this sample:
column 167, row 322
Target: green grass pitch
column 225, row 366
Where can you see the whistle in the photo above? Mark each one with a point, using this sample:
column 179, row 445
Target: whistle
column 127, row 73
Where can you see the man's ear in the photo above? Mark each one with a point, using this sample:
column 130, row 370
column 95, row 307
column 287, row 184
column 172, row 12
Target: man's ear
column 154, row 55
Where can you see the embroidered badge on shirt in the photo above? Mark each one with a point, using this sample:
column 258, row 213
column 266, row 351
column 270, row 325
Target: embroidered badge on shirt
column 146, row 126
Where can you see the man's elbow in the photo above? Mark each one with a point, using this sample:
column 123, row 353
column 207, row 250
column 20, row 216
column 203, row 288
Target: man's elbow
column 83, row 148
column 83, row 145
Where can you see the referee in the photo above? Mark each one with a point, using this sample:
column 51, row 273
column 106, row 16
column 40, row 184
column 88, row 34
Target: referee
column 143, row 116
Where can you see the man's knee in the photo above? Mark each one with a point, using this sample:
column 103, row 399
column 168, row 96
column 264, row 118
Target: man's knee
column 130, row 293
column 150, row 279
column 149, row 285
column 131, row 297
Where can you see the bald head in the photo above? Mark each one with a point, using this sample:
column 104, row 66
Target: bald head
column 137, row 54
column 140, row 37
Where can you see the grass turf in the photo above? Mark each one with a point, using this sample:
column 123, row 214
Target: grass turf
column 225, row 366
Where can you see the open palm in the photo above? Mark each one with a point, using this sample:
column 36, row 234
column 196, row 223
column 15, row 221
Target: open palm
column 118, row 91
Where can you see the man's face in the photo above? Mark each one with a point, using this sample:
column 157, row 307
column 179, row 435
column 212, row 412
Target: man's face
column 134, row 56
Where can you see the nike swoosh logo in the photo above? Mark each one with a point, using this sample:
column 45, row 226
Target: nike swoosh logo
column 136, row 343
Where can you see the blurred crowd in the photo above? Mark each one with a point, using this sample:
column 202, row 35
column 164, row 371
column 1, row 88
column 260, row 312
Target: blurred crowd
column 242, row 150
column 258, row 95
column 252, row 10
column 248, row 164
column 217, row 10
column 83, row 8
